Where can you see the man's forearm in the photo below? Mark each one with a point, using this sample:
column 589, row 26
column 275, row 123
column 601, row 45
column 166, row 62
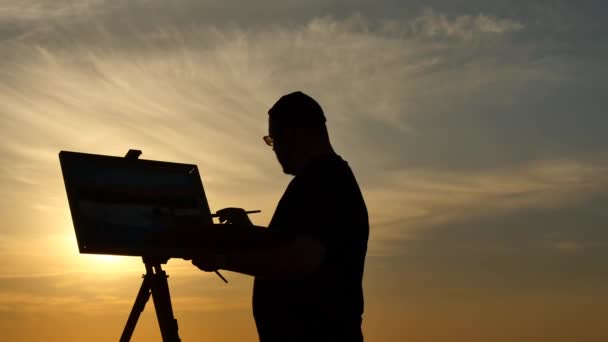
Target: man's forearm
column 253, row 263
column 298, row 257
column 257, row 251
column 222, row 238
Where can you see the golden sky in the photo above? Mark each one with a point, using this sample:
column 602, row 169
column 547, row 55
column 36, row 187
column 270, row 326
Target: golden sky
column 476, row 131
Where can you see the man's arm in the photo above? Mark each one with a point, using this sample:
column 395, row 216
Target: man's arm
column 300, row 256
column 290, row 258
column 259, row 252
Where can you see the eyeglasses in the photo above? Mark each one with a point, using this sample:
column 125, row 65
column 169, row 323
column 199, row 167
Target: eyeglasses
column 268, row 140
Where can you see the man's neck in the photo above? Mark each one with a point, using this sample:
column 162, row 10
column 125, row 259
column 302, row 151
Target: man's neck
column 312, row 154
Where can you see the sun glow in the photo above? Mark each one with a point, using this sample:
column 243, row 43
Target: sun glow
column 105, row 259
column 109, row 263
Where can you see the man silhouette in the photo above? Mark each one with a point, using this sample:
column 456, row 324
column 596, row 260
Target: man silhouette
column 308, row 270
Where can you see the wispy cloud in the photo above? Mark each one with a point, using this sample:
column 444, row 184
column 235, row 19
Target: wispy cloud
column 467, row 27
column 195, row 94
column 410, row 200
column 36, row 9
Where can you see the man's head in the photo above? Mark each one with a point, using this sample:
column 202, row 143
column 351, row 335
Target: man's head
column 297, row 131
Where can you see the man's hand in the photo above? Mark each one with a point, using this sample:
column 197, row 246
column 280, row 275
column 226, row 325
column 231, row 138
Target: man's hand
column 209, row 262
column 236, row 216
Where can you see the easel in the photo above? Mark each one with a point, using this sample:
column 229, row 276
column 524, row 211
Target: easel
column 155, row 284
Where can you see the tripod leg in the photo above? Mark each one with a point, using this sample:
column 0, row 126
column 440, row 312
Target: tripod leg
column 138, row 308
column 162, row 303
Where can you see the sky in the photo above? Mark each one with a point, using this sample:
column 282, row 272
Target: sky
column 476, row 130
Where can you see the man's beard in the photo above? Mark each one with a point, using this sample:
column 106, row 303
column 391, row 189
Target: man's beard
column 287, row 167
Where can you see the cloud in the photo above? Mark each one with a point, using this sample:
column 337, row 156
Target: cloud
column 211, row 84
column 199, row 94
column 92, row 294
column 466, row 27
column 33, row 10
column 24, row 302
column 29, row 303
column 409, row 201
column 568, row 246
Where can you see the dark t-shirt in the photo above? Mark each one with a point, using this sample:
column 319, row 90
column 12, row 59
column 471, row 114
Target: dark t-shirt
column 324, row 202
